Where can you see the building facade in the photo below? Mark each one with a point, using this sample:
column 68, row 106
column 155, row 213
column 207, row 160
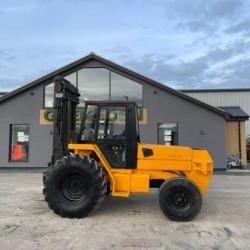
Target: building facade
column 2, row 94
column 166, row 116
column 224, row 97
column 238, row 131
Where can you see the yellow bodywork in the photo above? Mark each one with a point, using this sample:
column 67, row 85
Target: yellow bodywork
column 166, row 162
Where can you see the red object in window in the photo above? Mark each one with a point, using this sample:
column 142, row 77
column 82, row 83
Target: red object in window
column 18, row 153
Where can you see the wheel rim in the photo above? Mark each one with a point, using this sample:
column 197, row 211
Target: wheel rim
column 180, row 199
column 74, row 187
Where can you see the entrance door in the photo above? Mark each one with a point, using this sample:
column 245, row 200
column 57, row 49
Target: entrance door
column 113, row 133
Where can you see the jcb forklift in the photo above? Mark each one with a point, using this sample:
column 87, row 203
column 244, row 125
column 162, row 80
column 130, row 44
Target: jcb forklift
column 106, row 157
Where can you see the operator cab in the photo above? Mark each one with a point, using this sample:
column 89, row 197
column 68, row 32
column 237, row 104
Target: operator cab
column 114, row 127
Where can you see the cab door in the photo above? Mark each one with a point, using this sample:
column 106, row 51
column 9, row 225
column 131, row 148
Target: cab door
column 115, row 135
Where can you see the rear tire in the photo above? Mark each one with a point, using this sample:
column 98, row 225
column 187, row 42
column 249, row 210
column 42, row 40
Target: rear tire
column 75, row 186
column 180, row 199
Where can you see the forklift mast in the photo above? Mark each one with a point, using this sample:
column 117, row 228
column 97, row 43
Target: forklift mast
column 66, row 98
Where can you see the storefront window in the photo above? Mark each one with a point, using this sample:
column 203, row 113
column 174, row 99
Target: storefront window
column 71, row 78
column 49, row 96
column 49, row 91
column 19, row 142
column 123, row 88
column 168, row 134
column 99, row 84
column 93, row 84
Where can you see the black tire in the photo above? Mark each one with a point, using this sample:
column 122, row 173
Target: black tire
column 180, row 199
column 75, row 186
column 45, row 173
column 44, row 181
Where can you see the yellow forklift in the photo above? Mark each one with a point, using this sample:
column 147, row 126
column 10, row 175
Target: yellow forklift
column 105, row 156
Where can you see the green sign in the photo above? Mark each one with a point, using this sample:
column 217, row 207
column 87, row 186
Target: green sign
column 46, row 115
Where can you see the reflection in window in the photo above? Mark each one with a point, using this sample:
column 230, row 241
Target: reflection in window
column 71, row 78
column 99, row 84
column 123, row 88
column 49, row 91
column 112, row 123
column 19, row 142
column 112, row 129
column 93, row 84
column 89, row 124
column 168, row 134
column 49, row 96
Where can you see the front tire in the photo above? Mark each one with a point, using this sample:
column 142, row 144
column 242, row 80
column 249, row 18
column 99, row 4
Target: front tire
column 75, row 187
column 180, row 199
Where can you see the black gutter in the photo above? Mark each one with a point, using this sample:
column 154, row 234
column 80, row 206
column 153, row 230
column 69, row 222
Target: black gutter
column 214, row 90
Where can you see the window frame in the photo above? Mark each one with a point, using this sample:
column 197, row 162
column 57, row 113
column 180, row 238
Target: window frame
column 110, row 69
column 44, row 95
column 125, row 121
column 46, row 83
column 158, row 134
column 83, row 123
column 109, row 81
column 10, row 142
column 130, row 78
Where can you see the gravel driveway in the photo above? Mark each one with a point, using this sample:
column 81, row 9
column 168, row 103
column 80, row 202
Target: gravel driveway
column 123, row 223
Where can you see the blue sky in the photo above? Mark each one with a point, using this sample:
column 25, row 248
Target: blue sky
column 183, row 44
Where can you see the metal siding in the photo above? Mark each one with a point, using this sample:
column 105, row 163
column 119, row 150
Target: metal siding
column 192, row 120
column 240, row 98
column 24, row 109
column 161, row 107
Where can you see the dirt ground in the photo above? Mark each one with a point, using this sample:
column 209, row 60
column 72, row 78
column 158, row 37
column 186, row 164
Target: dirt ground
column 123, row 223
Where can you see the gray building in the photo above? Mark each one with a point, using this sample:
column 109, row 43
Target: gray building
column 224, row 97
column 166, row 116
column 2, row 94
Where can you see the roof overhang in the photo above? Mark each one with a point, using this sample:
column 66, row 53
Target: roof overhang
column 235, row 113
